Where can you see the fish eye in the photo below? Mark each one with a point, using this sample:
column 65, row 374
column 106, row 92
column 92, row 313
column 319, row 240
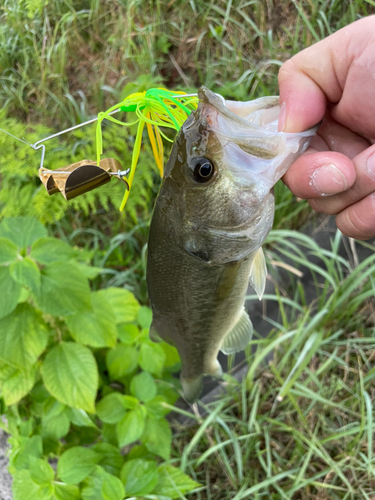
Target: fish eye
column 203, row 170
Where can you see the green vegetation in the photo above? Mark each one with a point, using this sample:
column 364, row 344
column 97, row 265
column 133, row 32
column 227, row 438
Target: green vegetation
column 80, row 380
column 299, row 427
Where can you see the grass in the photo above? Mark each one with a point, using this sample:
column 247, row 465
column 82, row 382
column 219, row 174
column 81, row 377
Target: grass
column 301, row 426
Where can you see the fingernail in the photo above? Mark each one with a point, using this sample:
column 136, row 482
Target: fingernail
column 370, row 165
column 328, row 180
column 282, row 117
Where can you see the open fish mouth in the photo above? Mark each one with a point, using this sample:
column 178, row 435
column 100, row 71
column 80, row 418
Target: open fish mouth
column 253, row 149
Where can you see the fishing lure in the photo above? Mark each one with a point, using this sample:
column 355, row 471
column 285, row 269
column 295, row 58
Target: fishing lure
column 156, row 108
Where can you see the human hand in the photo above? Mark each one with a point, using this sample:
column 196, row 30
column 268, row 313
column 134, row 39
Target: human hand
column 334, row 80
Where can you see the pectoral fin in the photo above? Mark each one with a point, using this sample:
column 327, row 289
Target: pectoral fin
column 239, row 337
column 258, row 273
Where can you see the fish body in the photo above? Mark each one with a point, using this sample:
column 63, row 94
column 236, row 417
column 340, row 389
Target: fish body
column 214, row 211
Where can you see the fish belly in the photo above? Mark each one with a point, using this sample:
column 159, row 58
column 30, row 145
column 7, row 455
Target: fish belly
column 195, row 304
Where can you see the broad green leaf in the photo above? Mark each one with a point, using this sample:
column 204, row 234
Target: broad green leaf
column 64, row 290
column 56, row 427
column 145, row 317
column 92, row 489
column 8, row 251
column 131, row 427
column 110, row 457
column 10, row 292
column 139, row 476
column 17, row 385
column 24, row 488
column 67, row 492
column 76, row 464
column 40, row 471
column 28, row 447
column 129, row 402
column 123, row 302
column 95, row 328
column 110, row 409
column 173, row 483
column 89, row 272
column 143, row 386
column 80, row 418
column 52, row 408
column 158, row 437
column 112, row 488
column 70, row 374
column 152, row 358
column 47, row 250
column 26, row 272
column 172, row 359
column 122, row 360
column 23, row 337
column 23, row 231
column 127, row 333
column 157, row 407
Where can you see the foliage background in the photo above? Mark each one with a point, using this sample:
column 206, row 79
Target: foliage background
column 299, row 428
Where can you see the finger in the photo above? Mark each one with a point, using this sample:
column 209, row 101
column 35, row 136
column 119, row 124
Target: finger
column 341, row 139
column 364, row 184
column 318, row 174
column 358, row 220
column 335, row 69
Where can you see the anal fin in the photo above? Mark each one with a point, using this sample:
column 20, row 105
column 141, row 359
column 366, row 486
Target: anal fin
column 258, row 273
column 240, row 335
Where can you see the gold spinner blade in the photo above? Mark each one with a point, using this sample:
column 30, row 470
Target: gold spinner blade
column 80, row 177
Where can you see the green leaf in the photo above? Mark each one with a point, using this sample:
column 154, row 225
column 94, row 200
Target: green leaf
column 23, row 337
column 129, row 402
column 26, row 272
column 76, row 464
column 8, row 251
column 48, row 250
column 131, row 427
column 93, row 485
column 56, row 427
column 112, row 488
column 89, row 272
column 40, row 471
column 28, row 447
column 110, row 409
column 123, row 302
column 67, row 492
column 156, row 407
column 10, row 292
column 173, row 483
column 127, row 333
column 95, row 328
column 110, row 457
column 139, row 476
column 145, row 317
column 64, row 290
column 172, row 359
column 158, row 437
column 152, row 358
column 70, row 374
column 80, row 418
column 121, row 361
column 23, row 231
column 24, row 488
column 17, row 384
column 143, row 386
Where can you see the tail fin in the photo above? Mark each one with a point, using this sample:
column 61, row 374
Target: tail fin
column 192, row 388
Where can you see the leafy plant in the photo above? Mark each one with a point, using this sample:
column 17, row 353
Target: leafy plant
column 81, row 383
column 22, row 192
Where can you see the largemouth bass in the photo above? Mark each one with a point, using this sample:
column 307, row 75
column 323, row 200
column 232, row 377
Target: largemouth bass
column 214, row 211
